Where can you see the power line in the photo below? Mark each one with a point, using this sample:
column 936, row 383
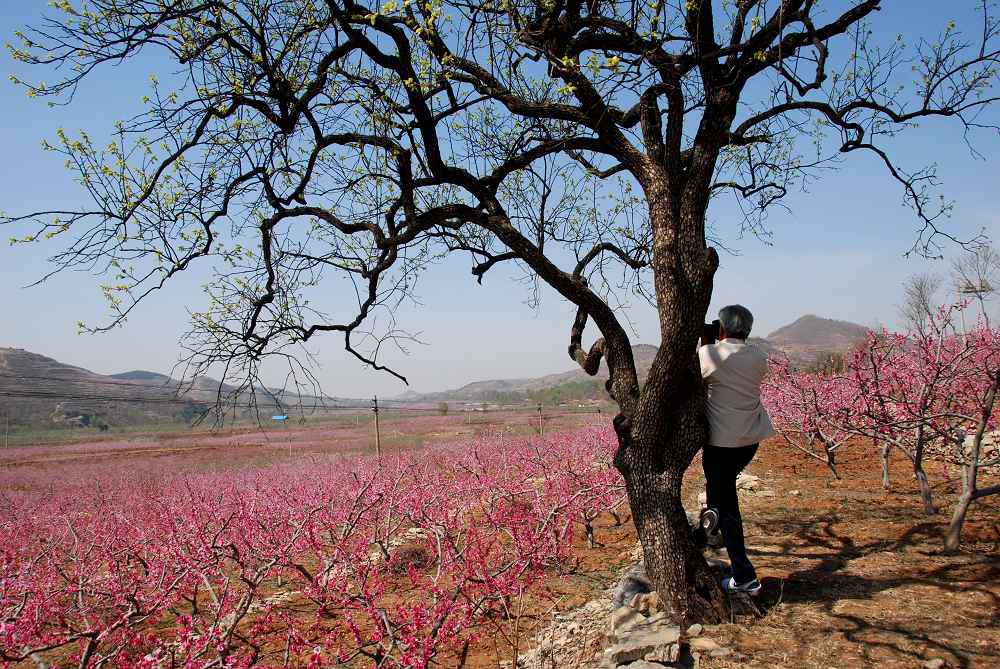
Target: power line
column 319, row 406
column 56, row 395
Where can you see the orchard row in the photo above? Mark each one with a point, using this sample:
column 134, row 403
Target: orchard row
column 927, row 395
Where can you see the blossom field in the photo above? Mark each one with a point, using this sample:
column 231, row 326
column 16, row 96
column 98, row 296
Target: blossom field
column 348, row 561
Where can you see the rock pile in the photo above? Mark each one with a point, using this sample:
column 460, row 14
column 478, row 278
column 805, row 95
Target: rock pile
column 573, row 639
column 634, row 637
column 641, row 636
column 625, row 628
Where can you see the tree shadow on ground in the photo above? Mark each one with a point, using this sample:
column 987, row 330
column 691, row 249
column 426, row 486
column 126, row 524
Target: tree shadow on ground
column 829, row 583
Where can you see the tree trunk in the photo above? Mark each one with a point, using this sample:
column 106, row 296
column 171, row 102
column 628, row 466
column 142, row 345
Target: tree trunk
column 831, row 459
column 885, row 451
column 970, row 478
column 668, row 427
column 954, row 536
column 687, row 585
column 589, row 530
column 662, row 428
column 920, row 475
column 925, row 488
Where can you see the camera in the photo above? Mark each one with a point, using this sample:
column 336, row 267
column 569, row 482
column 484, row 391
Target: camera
column 710, row 332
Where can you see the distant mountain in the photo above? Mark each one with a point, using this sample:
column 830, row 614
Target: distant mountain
column 38, row 391
column 802, row 341
column 576, row 382
column 811, row 336
column 203, row 388
column 140, row 375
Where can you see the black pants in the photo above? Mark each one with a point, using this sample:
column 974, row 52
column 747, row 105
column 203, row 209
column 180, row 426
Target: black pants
column 722, row 466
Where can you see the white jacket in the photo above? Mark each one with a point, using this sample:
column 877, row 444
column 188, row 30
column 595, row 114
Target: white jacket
column 733, row 371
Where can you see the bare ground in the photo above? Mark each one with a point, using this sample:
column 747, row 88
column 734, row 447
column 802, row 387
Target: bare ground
column 855, row 576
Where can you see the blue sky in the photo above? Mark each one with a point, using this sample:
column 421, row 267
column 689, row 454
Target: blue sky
column 838, row 253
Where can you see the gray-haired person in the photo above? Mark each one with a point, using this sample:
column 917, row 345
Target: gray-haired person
column 733, row 371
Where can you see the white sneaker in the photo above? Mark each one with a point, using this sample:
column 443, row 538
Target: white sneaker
column 751, row 588
column 709, row 520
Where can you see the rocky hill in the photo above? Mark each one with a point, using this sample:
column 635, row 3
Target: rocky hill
column 644, row 355
column 574, row 384
column 38, row 392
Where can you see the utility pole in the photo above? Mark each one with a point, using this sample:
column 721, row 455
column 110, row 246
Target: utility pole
column 6, row 427
column 541, row 427
column 378, row 436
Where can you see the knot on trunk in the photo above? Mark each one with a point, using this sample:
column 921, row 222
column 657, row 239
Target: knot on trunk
column 712, row 260
column 622, row 424
column 589, row 361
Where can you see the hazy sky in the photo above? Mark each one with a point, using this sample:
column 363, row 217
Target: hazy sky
column 838, row 253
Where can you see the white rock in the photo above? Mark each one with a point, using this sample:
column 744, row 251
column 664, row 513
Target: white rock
column 703, row 645
column 934, row 663
column 794, row 493
column 646, row 603
column 665, row 654
column 703, row 499
column 658, row 619
column 694, row 630
column 747, row 482
column 623, row 618
column 642, row 641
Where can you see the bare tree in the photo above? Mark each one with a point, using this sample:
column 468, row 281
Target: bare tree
column 920, row 301
column 302, row 141
column 975, row 273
